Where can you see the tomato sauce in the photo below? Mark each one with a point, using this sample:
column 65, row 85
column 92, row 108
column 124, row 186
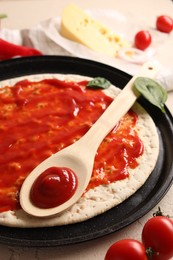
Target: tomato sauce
column 53, row 187
column 40, row 118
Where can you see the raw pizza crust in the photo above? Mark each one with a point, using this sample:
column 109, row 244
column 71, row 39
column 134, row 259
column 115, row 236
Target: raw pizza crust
column 104, row 197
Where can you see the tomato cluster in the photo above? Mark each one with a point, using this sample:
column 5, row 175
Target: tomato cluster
column 143, row 39
column 157, row 242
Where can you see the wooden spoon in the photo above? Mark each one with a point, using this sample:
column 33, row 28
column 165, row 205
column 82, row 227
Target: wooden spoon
column 79, row 156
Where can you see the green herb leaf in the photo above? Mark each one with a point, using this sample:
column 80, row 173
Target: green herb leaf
column 152, row 91
column 3, row 16
column 98, row 83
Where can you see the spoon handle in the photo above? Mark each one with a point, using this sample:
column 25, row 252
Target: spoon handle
column 118, row 108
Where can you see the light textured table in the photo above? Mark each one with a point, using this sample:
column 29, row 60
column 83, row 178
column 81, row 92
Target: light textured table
column 27, row 13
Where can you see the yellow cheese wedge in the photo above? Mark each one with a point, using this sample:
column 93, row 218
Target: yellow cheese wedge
column 77, row 26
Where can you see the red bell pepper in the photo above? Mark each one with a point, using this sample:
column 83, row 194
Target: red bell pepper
column 9, row 50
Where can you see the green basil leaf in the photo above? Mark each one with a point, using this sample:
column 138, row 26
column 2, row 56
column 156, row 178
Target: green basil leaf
column 152, row 91
column 98, row 82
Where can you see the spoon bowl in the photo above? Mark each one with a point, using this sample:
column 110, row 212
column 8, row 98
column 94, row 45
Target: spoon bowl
column 68, row 158
column 79, row 157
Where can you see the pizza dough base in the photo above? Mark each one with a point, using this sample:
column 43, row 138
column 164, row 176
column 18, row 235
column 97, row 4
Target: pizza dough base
column 104, row 197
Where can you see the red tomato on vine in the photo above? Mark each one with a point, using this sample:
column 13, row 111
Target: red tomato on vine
column 157, row 235
column 126, row 249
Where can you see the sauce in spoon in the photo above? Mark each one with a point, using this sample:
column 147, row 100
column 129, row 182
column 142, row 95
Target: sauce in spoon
column 53, row 187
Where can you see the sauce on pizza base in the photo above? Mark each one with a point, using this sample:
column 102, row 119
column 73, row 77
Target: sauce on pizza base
column 40, row 118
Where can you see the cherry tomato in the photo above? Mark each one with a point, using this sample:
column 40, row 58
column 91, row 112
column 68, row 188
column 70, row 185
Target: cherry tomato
column 143, row 40
column 158, row 234
column 164, row 23
column 126, row 249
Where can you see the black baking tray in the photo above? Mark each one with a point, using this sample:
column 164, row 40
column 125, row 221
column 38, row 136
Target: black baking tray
column 131, row 209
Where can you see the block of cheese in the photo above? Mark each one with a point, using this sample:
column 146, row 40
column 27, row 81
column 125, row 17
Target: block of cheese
column 77, row 26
